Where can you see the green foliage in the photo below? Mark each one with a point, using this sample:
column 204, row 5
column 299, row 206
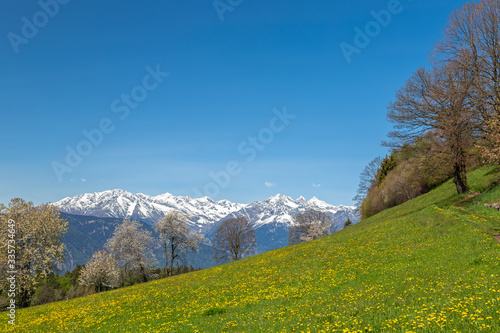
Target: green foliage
column 388, row 164
column 71, row 277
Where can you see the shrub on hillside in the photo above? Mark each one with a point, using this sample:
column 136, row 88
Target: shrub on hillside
column 402, row 184
column 79, row 291
column 373, row 203
column 408, row 172
column 46, row 294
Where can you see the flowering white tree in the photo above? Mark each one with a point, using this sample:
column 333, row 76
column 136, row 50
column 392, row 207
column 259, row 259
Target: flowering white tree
column 175, row 237
column 491, row 150
column 133, row 248
column 100, row 271
column 309, row 225
column 30, row 244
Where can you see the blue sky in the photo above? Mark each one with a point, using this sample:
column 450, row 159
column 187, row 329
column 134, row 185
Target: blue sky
column 87, row 67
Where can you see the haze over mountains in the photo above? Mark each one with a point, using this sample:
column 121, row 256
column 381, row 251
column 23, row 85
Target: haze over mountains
column 270, row 218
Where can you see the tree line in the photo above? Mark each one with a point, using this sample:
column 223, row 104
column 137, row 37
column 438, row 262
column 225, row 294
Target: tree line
column 446, row 118
column 127, row 258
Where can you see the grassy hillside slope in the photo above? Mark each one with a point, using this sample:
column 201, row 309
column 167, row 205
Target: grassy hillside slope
column 430, row 265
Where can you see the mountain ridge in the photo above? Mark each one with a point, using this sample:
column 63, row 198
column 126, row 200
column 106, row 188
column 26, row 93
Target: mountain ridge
column 270, row 218
column 118, row 203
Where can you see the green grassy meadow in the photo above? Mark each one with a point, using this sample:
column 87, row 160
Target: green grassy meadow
column 429, row 265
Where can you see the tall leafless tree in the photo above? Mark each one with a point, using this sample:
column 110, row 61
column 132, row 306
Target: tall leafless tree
column 309, row 225
column 367, row 179
column 471, row 41
column 438, row 101
column 132, row 247
column 233, row 239
column 175, row 237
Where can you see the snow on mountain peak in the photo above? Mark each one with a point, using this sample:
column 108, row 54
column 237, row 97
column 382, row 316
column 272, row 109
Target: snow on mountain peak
column 278, row 198
column 122, row 204
column 115, row 192
column 204, row 212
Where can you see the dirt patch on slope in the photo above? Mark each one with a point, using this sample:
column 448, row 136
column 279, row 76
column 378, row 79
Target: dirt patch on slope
column 472, row 195
column 493, row 205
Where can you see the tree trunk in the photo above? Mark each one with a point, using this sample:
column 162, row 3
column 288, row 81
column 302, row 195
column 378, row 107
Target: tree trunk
column 144, row 274
column 172, row 256
column 23, row 297
column 460, row 178
column 166, row 258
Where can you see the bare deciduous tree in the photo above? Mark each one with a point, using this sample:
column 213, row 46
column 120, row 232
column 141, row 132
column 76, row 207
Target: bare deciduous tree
column 437, row 102
column 35, row 244
column 233, row 239
column 100, row 271
column 367, row 179
column 133, row 248
column 175, row 237
column 309, row 225
column 471, row 41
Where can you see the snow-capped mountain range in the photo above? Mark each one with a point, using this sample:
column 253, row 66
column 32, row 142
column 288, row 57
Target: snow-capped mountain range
column 122, row 204
column 204, row 212
column 280, row 209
